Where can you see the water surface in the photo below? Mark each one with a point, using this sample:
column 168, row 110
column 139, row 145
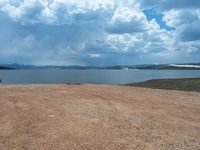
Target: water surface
column 53, row 76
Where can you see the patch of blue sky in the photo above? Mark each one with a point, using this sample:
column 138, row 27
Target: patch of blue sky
column 153, row 13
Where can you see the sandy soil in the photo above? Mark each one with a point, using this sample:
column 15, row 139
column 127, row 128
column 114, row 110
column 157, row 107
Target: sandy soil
column 60, row 117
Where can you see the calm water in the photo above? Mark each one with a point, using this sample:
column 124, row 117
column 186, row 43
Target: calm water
column 51, row 76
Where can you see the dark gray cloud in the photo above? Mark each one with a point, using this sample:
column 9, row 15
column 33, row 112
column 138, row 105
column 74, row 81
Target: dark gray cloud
column 180, row 4
column 189, row 32
column 186, row 22
column 170, row 4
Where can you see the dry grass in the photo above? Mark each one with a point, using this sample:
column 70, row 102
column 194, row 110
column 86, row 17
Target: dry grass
column 184, row 84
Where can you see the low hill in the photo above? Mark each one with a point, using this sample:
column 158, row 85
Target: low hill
column 5, row 68
column 183, row 84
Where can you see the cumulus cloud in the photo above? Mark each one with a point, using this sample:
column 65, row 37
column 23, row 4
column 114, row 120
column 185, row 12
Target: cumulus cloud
column 186, row 22
column 128, row 20
column 56, row 11
column 177, row 18
column 97, row 32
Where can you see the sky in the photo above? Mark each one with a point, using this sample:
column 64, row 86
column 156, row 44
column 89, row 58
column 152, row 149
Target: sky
column 99, row 32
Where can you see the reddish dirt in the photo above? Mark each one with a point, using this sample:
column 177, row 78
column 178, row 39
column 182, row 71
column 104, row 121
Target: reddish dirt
column 49, row 117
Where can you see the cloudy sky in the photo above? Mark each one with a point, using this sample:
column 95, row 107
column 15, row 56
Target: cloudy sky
column 99, row 32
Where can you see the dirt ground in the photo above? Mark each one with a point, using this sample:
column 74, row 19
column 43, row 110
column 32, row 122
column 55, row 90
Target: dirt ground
column 60, row 117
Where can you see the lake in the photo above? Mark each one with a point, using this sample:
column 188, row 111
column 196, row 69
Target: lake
column 53, row 76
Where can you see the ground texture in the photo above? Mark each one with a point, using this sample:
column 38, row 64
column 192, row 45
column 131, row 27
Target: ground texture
column 60, row 117
column 182, row 84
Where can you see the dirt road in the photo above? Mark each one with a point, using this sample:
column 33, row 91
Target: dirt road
column 60, row 117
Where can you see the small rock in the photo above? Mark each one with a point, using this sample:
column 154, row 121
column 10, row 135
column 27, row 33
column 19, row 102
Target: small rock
column 51, row 116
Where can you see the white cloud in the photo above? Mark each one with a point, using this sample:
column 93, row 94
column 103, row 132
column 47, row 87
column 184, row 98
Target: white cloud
column 125, row 42
column 80, row 31
column 186, row 22
column 127, row 20
column 95, row 55
column 175, row 18
column 54, row 11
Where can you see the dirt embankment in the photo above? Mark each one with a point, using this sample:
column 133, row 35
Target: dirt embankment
column 97, row 117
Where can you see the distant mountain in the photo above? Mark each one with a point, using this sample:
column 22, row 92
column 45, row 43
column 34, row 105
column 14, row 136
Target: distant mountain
column 5, row 68
column 172, row 67
column 185, row 66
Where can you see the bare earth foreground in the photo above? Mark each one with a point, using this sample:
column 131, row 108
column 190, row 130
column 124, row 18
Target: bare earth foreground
column 56, row 117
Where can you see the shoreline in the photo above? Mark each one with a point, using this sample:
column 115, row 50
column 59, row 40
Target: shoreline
column 180, row 84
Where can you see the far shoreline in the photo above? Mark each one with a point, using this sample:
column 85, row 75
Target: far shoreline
column 180, row 84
